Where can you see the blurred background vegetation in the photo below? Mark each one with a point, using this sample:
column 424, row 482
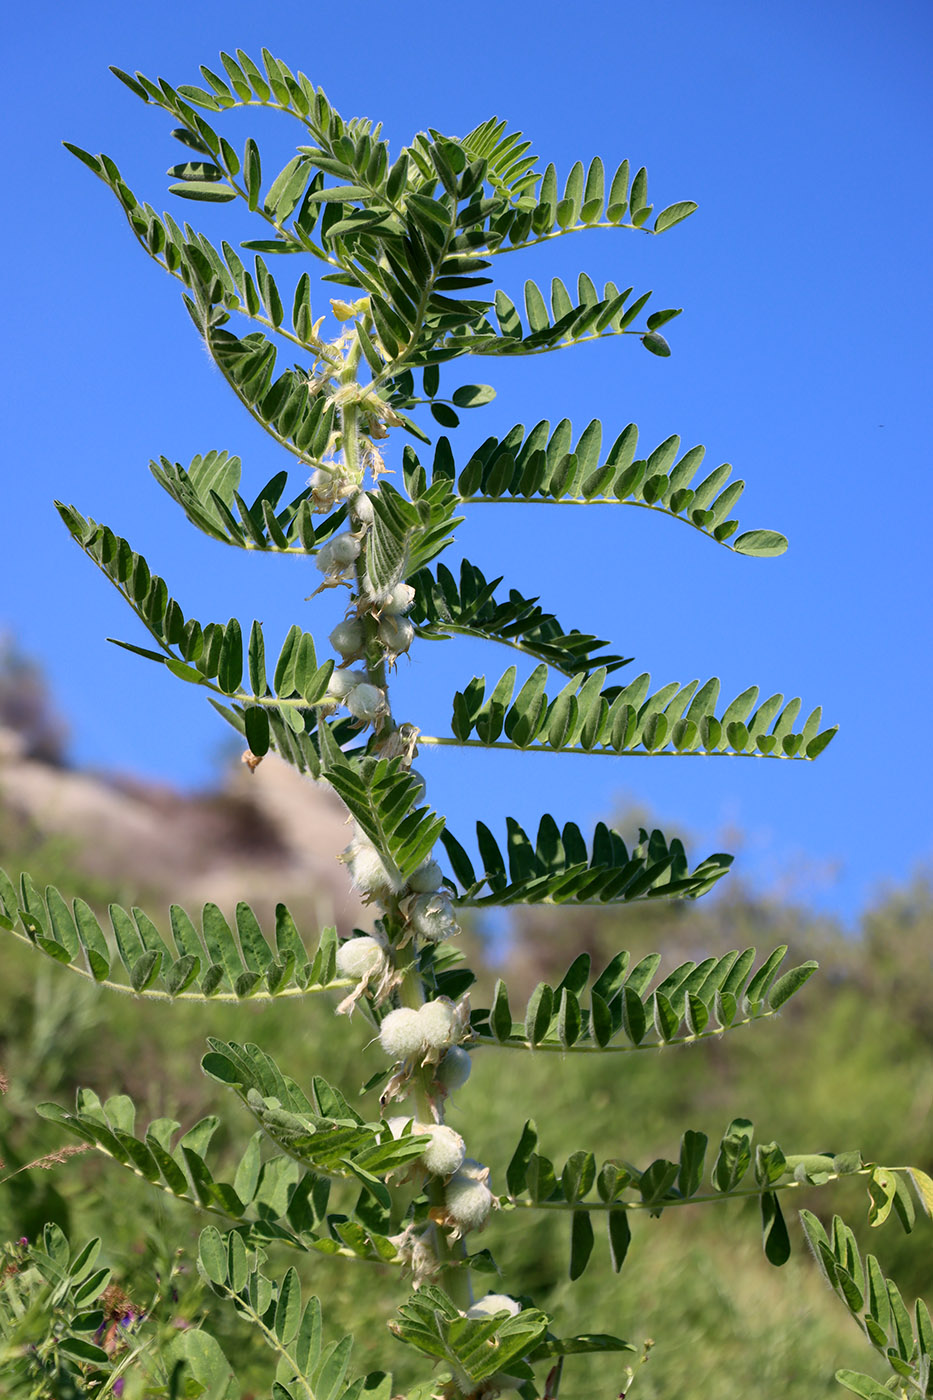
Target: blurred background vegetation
column 848, row 1064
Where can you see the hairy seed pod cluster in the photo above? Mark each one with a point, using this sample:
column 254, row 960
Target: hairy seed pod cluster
column 426, row 1033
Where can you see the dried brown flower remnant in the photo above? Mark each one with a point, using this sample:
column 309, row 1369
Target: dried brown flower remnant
column 54, row 1159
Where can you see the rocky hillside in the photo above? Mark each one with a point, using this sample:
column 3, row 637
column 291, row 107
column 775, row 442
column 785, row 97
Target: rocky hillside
column 263, row 836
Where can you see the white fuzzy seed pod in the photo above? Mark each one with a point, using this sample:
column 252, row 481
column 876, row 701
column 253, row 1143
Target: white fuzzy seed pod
column 468, row 1202
column 400, row 1033
column 437, row 1021
column 342, row 682
column 474, row 1170
column 494, row 1303
column 395, row 633
column 369, row 872
column 446, row 1150
column 359, row 957
column 337, row 555
column 399, row 600
column 362, row 508
column 366, row 702
column 347, row 638
column 432, row 917
column 427, row 878
column 454, row 1069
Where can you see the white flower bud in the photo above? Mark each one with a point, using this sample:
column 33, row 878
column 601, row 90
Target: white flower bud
column 454, row 1069
column 400, row 1033
column 427, row 878
column 359, row 957
column 432, row 917
column 338, row 555
column 446, row 1150
column 396, row 634
column 494, row 1303
column 438, row 1023
column 342, row 682
column 468, row 1201
column 366, row 702
column 399, row 600
column 347, row 638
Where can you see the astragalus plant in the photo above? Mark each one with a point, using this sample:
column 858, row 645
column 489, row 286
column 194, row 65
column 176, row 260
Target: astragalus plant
column 407, row 248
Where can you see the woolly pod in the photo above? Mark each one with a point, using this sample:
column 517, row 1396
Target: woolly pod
column 369, row 872
column 467, row 1199
column 492, row 1304
column 348, row 638
column 396, row 635
column 399, row 600
column 432, row 917
column 361, row 508
column 427, row 878
column 342, row 682
column 337, row 556
column 439, row 1023
column 400, row 1033
column 424, row 1035
column 453, row 1070
column 395, row 600
column 445, row 1153
column 367, row 703
column 363, row 956
column 366, row 958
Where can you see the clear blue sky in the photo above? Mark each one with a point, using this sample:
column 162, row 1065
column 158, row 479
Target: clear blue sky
column 803, row 357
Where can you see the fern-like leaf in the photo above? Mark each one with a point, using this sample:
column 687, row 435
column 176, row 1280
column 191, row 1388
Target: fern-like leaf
column 621, row 1011
column 558, row 868
column 588, row 717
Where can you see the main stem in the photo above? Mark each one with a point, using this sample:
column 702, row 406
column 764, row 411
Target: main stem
column 452, row 1276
